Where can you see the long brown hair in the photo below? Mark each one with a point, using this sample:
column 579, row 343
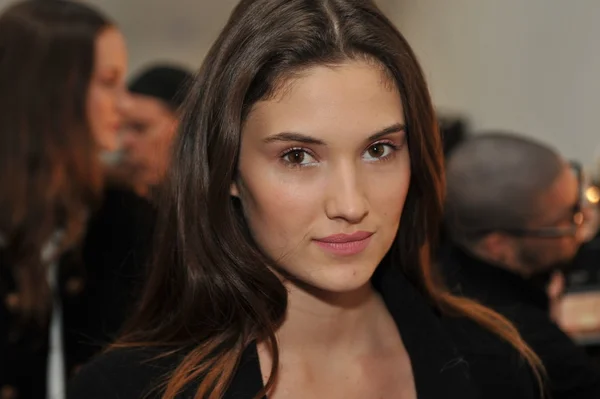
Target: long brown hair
column 210, row 287
column 49, row 171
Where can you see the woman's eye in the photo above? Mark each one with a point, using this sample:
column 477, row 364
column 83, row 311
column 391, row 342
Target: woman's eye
column 379, row 151
column 109, row 82
column 298, row 157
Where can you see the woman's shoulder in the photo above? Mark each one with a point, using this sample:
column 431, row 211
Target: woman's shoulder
column 124, row 373
column 496, row 366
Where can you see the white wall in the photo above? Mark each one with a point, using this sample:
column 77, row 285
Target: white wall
column 527, row 65
column 180, row 30
column 170, row 30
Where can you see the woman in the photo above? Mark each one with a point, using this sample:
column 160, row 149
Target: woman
column 294, row 256
column 62, row 67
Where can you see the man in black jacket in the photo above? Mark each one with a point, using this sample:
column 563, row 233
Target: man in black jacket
column 514, row 217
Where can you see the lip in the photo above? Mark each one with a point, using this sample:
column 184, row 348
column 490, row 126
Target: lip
column 345, row 244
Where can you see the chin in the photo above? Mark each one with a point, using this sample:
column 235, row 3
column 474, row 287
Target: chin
column 339, row 279
column 109, row 144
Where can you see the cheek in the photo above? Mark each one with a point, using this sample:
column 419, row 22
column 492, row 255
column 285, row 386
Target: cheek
column 387, row 195
column 549, row 252
column 96, row 113
column 101, row 104
column 161, row 138
column 102, row 118
column 280, row 212
column 569, row 247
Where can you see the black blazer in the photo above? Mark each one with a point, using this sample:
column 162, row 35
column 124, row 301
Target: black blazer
column 96, row 286
column 115, row 252
column 571, row 373
column 451, row 358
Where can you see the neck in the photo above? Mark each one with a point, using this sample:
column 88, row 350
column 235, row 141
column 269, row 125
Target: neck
column 322, row 322
column 506, row 264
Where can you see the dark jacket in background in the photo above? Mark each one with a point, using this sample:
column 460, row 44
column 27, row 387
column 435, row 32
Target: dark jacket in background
column 572, row 374
column 450, row 357
column 98, row 284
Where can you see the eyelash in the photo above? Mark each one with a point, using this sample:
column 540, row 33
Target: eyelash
column 292, row 150
column 393, row 146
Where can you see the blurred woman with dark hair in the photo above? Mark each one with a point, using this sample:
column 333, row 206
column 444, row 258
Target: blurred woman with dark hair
column 62, row 67
column 293, row 259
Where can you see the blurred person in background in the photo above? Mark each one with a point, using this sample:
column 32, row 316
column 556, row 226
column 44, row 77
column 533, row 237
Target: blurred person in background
column 514, row 216
column 151, row 122
column 62, row 68
column 454, row 130
column 119, row 236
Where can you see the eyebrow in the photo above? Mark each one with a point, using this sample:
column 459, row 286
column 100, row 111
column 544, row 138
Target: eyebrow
column 306, row 139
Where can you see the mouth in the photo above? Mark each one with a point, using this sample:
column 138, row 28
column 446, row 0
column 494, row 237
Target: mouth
column 345, row 244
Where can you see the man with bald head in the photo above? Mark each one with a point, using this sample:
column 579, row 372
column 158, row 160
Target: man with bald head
column 514, row 217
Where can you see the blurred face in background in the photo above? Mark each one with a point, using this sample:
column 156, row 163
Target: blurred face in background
column 147, row 135
column 562, row 211
column 107, row 88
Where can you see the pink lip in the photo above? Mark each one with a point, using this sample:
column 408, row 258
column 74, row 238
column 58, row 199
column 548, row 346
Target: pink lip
column 345, row 244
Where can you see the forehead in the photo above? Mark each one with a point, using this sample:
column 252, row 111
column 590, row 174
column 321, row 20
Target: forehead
column 111, row 51
column 352, row 97
column 146, row 107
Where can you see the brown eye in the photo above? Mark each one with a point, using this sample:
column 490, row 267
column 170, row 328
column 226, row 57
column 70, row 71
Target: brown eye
column 377, row 150
column 298, row 157
column 295, row 157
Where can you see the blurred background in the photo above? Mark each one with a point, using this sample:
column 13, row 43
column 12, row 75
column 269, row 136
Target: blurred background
column 528, row 66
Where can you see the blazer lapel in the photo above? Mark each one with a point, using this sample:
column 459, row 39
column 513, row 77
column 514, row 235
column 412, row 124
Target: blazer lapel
column 439, row 369
column 247, row 380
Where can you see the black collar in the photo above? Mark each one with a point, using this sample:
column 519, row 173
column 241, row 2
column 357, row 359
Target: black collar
column 439, row 369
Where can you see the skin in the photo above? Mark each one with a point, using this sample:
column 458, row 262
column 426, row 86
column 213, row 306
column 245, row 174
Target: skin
column 107, row 88
column 331, row 176
column 147, row 136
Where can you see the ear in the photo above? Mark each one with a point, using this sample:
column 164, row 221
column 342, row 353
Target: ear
column 496, row 246
column 173, row 127
column 234, row 190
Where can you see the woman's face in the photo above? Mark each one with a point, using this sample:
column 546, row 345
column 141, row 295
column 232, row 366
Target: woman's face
column 324, row 170
column 107, row 88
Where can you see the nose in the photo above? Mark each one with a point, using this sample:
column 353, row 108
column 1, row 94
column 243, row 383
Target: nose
column 346, row 199
column 124, row 101
column 586, row 225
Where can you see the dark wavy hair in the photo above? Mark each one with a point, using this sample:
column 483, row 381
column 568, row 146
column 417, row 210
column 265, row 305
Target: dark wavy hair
column 211, row 287
column 49, row 169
